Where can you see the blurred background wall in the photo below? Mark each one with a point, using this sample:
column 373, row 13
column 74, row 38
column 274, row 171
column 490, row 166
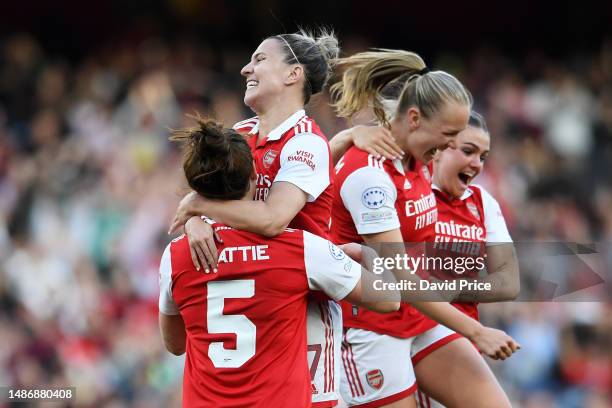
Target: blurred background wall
column 89, row 183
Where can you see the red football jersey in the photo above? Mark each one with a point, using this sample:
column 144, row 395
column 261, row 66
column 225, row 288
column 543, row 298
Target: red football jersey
column 464, row 228
column 376, row 195
column 246, row 324
column 297, row 152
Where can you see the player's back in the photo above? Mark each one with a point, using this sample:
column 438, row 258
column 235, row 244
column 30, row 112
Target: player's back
column 246, row 324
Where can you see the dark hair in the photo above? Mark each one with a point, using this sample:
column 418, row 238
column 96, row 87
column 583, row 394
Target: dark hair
column 316, row 52
column 477, row 121
column 217, row 161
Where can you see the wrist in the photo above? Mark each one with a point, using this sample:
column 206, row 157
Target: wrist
column 192, row 219
column 473, row 329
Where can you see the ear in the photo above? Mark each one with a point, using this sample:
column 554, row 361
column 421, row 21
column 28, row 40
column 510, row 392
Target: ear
column 296, row 72
column 413, row 117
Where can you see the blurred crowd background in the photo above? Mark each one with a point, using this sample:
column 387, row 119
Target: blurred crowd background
column 89, row 182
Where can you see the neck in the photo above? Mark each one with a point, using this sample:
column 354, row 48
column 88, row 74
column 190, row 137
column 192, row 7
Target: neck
column 279, row 111
column 397, row 128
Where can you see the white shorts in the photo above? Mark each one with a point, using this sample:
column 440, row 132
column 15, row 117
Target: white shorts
column 324, row 329
column 423, row 345
column 425, row 401
column 431, row 340
column 377, row 368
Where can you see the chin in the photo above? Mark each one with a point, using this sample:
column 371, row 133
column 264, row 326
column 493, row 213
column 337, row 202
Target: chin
column 252, row 101
column 248, row 100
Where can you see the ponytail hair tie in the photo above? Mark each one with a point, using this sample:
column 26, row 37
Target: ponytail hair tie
column 423, row 71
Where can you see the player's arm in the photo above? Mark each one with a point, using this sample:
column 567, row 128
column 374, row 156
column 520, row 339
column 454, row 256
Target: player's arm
column 268, row 218
column 492, row 342
column 375, row 140
column 331, row 271
column 173, row 333
column 357, row 298
column 502, row 275
column 501, row 262
column 369, row 195
column 171, row 323
column 302, row 177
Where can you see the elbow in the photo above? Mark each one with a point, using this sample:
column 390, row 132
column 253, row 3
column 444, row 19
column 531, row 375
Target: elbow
column 509, row 292
column 513, row 291
column 386, row 307
column 273, row 227
column 177, row 350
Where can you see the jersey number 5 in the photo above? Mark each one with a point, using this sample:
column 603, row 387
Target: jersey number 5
column 217, row 322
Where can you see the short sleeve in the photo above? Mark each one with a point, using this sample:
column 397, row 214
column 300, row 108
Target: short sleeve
column 495, row 224
column 166, row 302
column 304, row 162
column 328, row 268
column 369, row 195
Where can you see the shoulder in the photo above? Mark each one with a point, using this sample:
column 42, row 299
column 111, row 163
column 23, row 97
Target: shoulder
column 491, row 207
column 355, row 159
column 362, row 158
column 177, row 252
column 245, row 126
column 306, row 127
column 481, row 193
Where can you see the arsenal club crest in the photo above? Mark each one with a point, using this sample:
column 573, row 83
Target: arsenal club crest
column 375, row 379
column 474, row 210
column 269, row 157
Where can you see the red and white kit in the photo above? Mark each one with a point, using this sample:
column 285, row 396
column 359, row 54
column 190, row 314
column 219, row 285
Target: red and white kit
column 371, row 196
column 246, row 324
column 297, row 152
column 465, row 227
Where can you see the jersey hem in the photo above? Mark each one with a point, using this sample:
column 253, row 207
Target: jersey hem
column 418, row 357
column 389, row 333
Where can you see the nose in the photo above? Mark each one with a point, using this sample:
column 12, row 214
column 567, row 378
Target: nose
column 476, row 163
column 247, row 69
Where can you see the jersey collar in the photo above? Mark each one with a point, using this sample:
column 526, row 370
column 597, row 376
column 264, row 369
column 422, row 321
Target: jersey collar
column 468, row 192
column 397, row 163
column 280, row 130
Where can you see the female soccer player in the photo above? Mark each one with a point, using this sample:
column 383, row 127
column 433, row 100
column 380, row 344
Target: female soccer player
column 470, row 226
column 294, row 174
column 244, row 328
column 383, row 201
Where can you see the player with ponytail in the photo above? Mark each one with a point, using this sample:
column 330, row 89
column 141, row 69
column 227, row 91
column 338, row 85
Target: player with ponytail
column 379, row 201
column 294, row 171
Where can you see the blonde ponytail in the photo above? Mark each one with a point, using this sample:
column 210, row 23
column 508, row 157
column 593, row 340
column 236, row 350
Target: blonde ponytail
column 367, row 74
column 393, row 78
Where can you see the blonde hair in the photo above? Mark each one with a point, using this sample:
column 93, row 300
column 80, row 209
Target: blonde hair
column 391, row 81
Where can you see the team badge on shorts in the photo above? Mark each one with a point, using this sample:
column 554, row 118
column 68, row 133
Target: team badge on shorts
column 375, row 379
column 269, row 157
column 374, row 197
column 474, row 210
